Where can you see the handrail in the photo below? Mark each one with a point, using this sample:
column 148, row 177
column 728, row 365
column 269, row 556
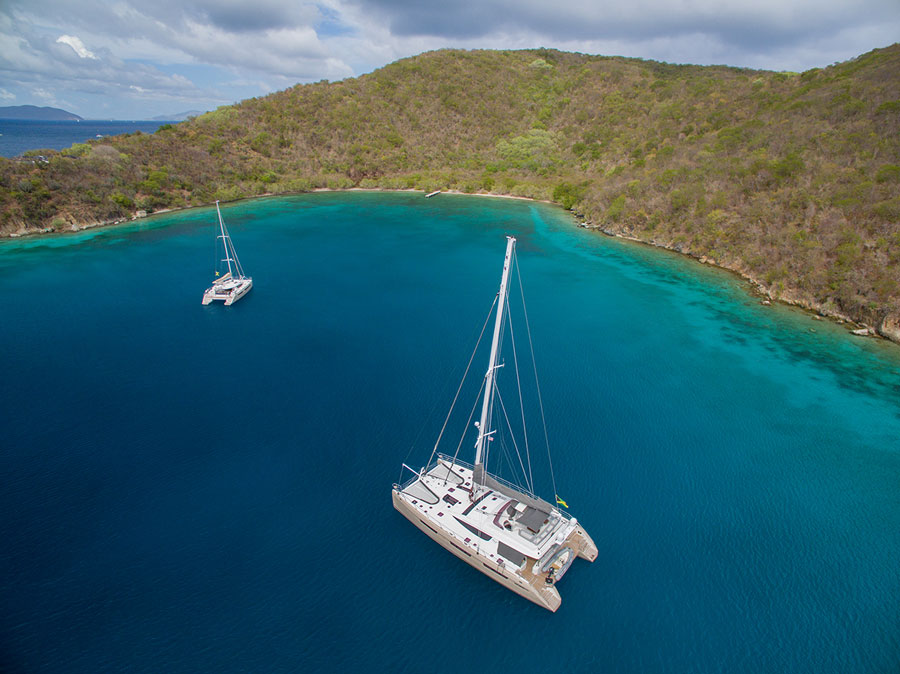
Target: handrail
column 502, row 481
column 416, row 475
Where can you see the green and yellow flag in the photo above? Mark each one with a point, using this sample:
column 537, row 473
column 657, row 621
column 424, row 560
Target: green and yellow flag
column 559, row 501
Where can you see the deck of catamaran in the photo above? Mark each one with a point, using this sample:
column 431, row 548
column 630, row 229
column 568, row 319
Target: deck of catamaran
column 521, row 541
column 227, row 289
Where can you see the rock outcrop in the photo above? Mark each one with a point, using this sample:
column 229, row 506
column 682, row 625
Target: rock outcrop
column 890, row 327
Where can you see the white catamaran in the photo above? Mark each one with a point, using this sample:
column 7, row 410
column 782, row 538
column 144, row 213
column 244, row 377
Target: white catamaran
column 231, row 285
column 503, row 530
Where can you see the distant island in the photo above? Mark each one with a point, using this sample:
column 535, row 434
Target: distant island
column 789, row 179
column 33, row 112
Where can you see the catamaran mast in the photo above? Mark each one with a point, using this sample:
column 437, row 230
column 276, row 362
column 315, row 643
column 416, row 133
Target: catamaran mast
column 225, row 240
column 484, row 432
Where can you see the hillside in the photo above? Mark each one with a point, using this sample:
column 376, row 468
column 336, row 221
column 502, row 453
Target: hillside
column 177, row 116
column 790, row 179
column 33, row 112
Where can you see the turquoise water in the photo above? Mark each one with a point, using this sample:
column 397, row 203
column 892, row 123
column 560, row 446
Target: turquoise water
column 192, row 488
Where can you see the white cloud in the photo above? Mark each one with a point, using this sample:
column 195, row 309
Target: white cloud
column 6, row 95
column 204, row 53
column 770, row 34
column 43, row 94
column 77, row 45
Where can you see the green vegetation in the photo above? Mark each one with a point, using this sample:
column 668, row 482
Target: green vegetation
column 790, row 178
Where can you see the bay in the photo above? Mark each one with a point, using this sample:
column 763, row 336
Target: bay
column 192, row 488
column 20, row 135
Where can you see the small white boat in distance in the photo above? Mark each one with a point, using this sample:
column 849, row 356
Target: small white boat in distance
column 431, row 194
column 231, row 285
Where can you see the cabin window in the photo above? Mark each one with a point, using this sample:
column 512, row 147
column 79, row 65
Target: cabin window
column 511, row 554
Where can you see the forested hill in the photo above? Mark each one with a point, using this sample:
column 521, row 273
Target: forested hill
column 793, row 179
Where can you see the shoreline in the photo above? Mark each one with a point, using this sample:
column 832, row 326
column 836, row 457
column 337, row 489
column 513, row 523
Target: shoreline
column 887, row 332
column 759, row 289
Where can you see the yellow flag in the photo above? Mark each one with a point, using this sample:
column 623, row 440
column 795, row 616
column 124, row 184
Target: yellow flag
column 561, row 502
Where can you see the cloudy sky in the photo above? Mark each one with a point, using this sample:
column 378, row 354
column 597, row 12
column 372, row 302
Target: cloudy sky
column 130, row 59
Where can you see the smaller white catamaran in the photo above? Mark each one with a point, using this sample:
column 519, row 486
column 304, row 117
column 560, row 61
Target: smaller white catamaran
column 231, row 285
column 502, row 529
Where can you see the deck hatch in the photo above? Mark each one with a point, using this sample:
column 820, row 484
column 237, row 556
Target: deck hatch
column 483, row 536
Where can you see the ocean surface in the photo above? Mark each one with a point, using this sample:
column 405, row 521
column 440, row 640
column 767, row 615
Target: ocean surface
column 19, row 135
column 207, row 489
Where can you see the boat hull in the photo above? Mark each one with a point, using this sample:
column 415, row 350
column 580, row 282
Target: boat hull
column 543, row 595
column 214, row 294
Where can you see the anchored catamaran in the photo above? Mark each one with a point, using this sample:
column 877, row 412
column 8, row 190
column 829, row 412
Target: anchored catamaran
column 503, row 530
column 232, row 285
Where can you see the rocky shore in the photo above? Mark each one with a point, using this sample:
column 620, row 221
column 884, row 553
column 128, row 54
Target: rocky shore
column 888, row 328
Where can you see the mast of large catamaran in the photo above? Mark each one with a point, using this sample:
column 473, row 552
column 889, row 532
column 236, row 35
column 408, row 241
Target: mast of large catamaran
column 484, row 432
column 225, row 240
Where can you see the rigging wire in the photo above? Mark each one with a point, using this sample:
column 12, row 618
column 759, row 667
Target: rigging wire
column 466, row 427
column 465, row 374
column 512, row 437
column 237, row 262
column 508, row 462
column 462, row 381
column 505, row 453
column 537, row 384
column 415, row 442
column 228, row 245
column 529, row 476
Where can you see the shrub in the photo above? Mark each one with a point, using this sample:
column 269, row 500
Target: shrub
column 536, row 149
column 121, row 200
column 888, row 173
column 616, row 208
column 679, row 200
column 77, row 150
column 888, row 210
column 789, row 166
column 566, row 195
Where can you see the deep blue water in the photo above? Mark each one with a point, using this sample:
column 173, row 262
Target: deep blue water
column 19, row 135
column 207, row 489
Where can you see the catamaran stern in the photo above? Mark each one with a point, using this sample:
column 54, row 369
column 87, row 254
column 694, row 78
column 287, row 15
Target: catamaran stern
column 582, row 544
column 536, row 591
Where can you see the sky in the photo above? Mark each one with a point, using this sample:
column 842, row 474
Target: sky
column 139, row 59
